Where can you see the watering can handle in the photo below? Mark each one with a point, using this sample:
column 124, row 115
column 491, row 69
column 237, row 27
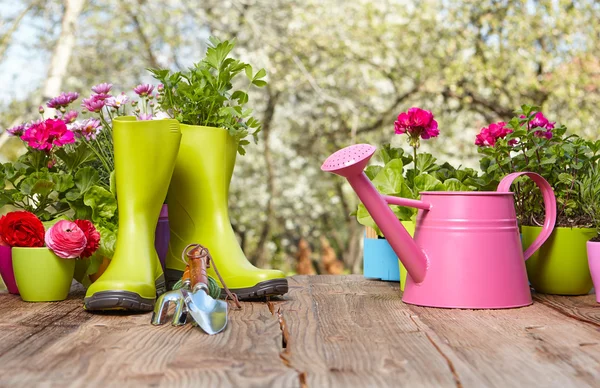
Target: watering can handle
column 549, row 203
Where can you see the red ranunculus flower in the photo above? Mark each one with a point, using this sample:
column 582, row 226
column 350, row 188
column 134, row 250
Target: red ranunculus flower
column 22, row 229
column 92, row 236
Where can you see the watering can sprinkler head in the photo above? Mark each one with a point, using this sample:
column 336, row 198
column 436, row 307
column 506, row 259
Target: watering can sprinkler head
column 349, row 161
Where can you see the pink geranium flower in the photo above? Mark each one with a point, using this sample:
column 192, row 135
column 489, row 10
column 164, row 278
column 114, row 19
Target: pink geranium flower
column 103, row 88
column 489, row 135
column 63, row 100
column 417, row 123
column 542, row 125
column 95, row 103
column 66, row 239
column 48, row 134
column 143, row 90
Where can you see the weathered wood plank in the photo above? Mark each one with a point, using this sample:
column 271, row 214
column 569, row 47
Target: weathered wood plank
column 347, row 331
column 583, row 308
column 128, row 350
column 530, row 346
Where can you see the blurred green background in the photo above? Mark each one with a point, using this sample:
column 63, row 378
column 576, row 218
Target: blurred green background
column 339, row 72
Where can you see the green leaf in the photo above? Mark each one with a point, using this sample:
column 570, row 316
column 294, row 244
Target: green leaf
column 454, row 184
column 260, row 74
column 372, row 171
column 85, row 179
column 259, row 83
column 565, row 178
column 241, row 96
column 108, row 240
column 62, row 182
column 425, row 182
column 102, row 202
column 389, row 179
column 426, row 163
column 248, row 70
column 74, row 159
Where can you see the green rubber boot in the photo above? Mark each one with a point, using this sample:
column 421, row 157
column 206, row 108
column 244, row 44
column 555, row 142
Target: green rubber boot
column 145, row 153
column 198, row 213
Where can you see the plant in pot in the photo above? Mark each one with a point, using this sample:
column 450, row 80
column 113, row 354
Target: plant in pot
column 59, row 177
column 214, row 125
column 43, row 260
column 590, row 196
column 530, row 142
column 380, row 261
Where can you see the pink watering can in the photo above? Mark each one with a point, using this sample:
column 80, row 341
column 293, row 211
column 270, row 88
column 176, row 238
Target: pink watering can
column 467, row 250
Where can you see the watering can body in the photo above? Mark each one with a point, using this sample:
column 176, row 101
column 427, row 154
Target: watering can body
column 466, row 251
column 475, row 259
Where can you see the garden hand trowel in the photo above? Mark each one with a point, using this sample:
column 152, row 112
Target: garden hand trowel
column 209, row 314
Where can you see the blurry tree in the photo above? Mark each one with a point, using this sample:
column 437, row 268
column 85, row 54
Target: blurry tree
column 339, row 72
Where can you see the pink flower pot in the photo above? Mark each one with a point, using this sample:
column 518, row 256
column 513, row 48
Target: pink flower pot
column 593, row 250
column 6, row 270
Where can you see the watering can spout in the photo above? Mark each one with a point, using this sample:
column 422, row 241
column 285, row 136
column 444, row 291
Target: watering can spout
column 350, row 163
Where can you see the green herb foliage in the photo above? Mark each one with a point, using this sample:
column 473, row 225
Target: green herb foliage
column 590, row 196
column 204, row 94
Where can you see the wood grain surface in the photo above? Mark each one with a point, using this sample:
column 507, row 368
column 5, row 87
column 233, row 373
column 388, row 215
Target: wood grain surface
column 340, row 331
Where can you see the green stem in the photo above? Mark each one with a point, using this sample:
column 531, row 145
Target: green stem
column 416, row 170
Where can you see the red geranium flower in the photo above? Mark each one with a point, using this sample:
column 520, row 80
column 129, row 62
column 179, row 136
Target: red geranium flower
column 22, row 229
column 92, row 236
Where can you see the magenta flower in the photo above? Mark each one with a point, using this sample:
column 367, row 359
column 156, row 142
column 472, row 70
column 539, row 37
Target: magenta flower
column 66, row 239
column 539, row 121
column 417, row 122
column 117, row 102
column 144, row 116
column 160, row 88
column 489, row 135
column 143, row 90
column 95, row 103
column 70, row 117
column 88, row 129
column 103, row 88
column 63, row 100
column 17, row 130
column 48, row 134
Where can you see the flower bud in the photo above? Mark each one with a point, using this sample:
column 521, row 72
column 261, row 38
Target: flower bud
column 150, row 97
column 62, row 109
column 134, row 103
column 84, row 111
column 41, row 109
column 151, row 104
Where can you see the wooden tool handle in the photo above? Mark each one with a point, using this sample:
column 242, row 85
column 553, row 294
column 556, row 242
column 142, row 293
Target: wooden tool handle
column 198, row 271
column 186, row 274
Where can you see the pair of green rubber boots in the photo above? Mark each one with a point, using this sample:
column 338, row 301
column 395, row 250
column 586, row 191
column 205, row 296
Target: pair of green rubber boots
column 192, row 166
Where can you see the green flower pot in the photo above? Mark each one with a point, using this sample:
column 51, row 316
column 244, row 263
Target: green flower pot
column 41, row 275
column 560, row 266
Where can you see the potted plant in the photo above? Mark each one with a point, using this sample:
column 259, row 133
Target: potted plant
column 59, row 175
column 42, row 260
column 590, row 196
column 393, row 179
column 214, row 125
column 530, row 142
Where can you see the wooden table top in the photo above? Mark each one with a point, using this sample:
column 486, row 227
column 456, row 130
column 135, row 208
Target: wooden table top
column 340, row 331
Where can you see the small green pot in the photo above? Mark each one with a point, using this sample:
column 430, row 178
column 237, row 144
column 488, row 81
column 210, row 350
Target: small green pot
column 41, row 275
column 560, row 266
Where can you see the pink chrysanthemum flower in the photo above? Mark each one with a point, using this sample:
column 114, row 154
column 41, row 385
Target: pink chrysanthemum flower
column 17, row 130
column 88, row 129
column 94, row 104
column 70, row 117
column 63, row 100
column 103, row 88
column 143, row 90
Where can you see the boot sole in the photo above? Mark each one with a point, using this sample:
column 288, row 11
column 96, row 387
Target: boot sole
column 118, row 300
column 261, row 290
